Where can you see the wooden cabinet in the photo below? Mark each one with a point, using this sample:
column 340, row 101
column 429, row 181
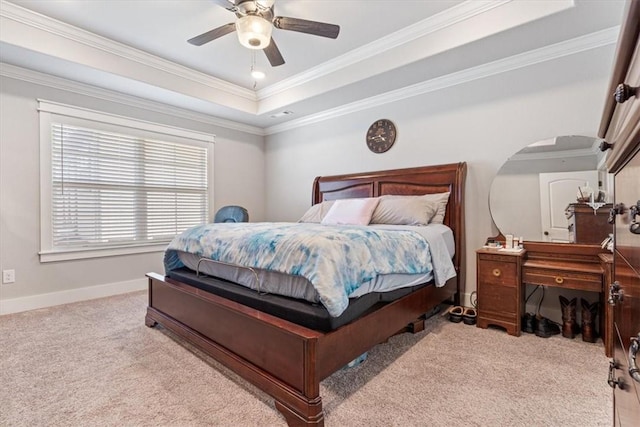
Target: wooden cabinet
column 502, row 275
column 626, row 311
column 500, row 301
column 586, row 226
column 569, row 266
column 620, row 126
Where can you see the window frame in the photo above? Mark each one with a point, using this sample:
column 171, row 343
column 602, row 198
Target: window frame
column 54, row 112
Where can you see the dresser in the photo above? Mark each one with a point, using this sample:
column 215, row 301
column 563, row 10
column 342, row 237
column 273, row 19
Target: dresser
column 586, row 225
column 501, row 276
column 620, row 128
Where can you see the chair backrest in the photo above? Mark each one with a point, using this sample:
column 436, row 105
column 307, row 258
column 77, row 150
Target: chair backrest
column 231, row 214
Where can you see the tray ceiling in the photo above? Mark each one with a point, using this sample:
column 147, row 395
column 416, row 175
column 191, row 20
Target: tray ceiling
column 386, row 50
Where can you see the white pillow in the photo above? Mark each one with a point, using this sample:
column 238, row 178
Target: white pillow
column 404, row 210
column 316, row 212
column 351, row 212
column 441, row 200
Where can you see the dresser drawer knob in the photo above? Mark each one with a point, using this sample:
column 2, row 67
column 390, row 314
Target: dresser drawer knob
column 634, row 211
column 559, row 280
column 604, row 146
column 612, row 380
column 615, row 293
column 617, row 209
column 497, row 272
column 633, row 351
column 624, row 92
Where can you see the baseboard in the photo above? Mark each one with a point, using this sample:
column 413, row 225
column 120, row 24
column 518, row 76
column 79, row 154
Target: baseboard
column 16, row 305
column 465, row 299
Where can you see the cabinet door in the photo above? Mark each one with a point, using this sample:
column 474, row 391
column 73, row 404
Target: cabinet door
column 627, row 276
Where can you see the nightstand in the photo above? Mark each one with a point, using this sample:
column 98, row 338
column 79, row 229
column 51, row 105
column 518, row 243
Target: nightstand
column 499, row 285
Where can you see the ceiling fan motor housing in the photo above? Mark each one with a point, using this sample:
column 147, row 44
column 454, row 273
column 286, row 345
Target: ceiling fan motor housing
column 254, row 32
column 255, row 23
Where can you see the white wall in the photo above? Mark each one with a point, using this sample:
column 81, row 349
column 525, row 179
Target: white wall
column 238, row 176
column 481, row 122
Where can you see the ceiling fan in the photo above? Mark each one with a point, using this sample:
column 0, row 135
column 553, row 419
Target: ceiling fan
column 256, row 20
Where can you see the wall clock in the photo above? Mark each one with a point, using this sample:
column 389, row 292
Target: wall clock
column 381, row 135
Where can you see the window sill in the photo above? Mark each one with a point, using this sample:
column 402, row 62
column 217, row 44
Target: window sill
column 73, row 254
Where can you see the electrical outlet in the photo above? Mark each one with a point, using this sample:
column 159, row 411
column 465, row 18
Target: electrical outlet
column 8, row 276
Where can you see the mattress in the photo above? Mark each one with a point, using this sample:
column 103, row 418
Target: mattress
column 300, row 312
column 440, row 239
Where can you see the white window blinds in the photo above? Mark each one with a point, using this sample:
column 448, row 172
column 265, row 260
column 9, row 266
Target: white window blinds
column 112, row 189
column 117, row 189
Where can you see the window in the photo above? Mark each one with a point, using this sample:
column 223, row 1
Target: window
column 113, row 185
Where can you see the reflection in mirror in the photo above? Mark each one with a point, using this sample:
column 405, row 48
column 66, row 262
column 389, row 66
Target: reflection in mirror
column 532, row 190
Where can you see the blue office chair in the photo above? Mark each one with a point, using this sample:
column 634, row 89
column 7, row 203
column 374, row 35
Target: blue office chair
column 231, row 214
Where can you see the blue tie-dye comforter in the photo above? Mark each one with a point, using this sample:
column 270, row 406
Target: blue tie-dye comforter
column 335, row 259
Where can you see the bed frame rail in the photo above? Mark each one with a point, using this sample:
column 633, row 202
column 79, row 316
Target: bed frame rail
column 285, row 360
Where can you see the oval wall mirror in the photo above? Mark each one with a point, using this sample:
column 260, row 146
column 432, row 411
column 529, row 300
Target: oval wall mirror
column 520, row 199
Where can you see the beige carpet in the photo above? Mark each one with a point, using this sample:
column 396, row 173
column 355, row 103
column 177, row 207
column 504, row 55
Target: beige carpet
column 95, row 364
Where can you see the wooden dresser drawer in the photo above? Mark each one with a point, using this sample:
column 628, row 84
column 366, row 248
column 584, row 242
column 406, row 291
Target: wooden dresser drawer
column 497, row 272
column 586, row 281
column 498, row 300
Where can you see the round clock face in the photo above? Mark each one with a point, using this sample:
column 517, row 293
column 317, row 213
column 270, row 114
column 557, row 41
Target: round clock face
column 381, row 135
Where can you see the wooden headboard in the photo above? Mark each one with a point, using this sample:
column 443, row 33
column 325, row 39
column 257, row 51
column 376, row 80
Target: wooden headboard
column 411, row 181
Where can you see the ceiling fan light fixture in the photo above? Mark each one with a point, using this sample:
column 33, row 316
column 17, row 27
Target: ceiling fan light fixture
column 265, row 4
column 254, row 32
column 258, row 75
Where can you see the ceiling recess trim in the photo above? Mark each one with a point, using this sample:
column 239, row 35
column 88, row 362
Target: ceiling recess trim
column 444, row 19
column 23, row 74
column 569, row 47
column 78, row 35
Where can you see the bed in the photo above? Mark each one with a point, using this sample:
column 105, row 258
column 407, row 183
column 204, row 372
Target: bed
column 285, row 359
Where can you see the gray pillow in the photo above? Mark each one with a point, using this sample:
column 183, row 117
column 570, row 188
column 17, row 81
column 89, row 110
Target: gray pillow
column 404, row 210
column 441, row 200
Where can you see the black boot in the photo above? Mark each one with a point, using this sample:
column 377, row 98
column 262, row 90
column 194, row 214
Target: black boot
column 545, row 327
column 529, row 323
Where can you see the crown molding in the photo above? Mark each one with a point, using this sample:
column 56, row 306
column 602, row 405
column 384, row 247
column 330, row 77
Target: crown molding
column 444, row 19
column 18, row 73
column 546, row 155
column 53, row 26
column 532, row 57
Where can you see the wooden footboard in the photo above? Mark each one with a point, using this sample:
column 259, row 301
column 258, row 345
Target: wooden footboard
column 285, row 360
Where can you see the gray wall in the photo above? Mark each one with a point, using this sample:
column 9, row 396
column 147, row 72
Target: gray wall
column 238, row 175
column 481, row 122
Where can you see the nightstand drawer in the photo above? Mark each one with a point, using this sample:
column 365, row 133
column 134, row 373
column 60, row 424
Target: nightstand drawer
column 498, row 300
column 585, row 281
column 497, row 273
